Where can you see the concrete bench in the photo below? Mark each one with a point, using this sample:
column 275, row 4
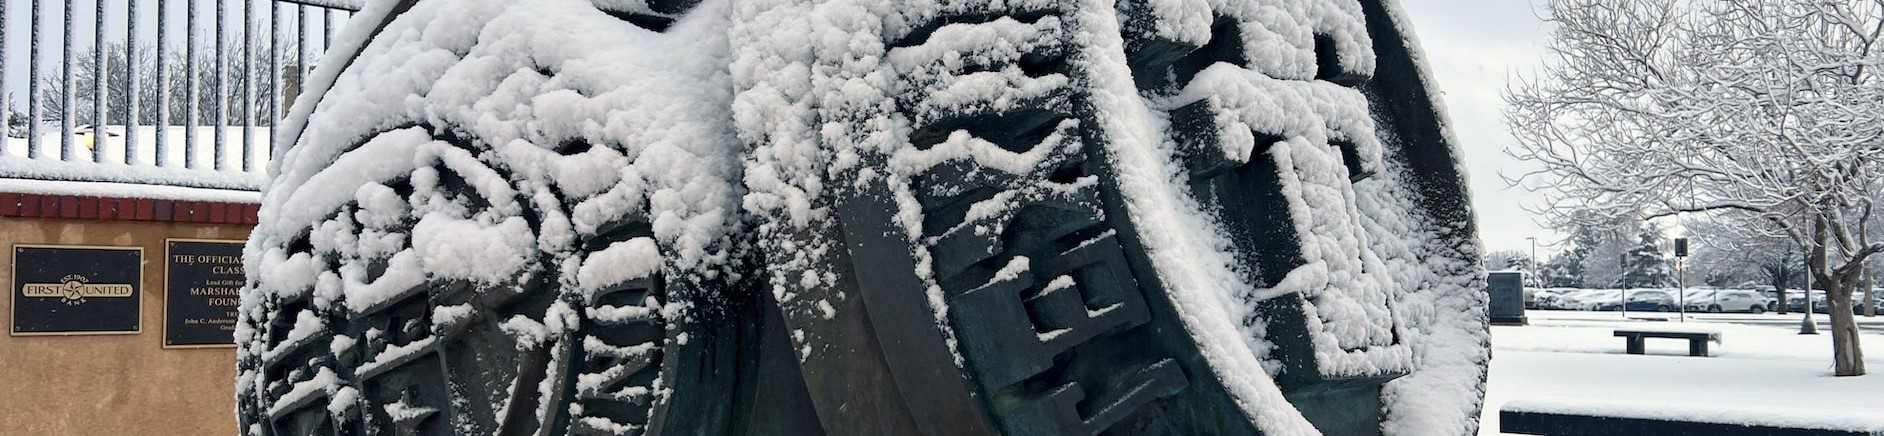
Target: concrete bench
column 1697, row 339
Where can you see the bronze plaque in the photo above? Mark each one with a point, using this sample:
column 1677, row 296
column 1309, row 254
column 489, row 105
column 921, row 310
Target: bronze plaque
column 70, row 289
column 203, row 283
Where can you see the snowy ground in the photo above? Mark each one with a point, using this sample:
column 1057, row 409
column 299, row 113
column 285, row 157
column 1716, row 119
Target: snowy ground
column 1762, row 370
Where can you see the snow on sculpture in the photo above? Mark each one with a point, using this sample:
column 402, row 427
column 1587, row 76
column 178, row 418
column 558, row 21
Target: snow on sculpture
column 868, row 217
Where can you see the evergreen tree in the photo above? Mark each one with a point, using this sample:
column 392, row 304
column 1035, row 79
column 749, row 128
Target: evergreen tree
column 1593, row 256
column 1644, row 265
column 1507, row 260
column 16, row 125
column 1563, row 271
column 1566, row 269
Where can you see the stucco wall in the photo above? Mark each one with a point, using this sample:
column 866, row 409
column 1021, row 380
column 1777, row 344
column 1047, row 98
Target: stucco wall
column 113, row 384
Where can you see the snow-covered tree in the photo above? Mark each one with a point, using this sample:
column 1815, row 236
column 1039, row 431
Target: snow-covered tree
column 1653, row 108
column 1564, row 270
column 1646, row 265
column 176, row 71
column 1567, row 269
column 1723, row 256
column 1594, row 254
column 1604, row 266
column 1711, row 266
column 16, row 124
column 1507, row 260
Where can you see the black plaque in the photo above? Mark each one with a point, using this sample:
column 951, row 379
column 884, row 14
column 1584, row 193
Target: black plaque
column 202, row 287
column 76, row 289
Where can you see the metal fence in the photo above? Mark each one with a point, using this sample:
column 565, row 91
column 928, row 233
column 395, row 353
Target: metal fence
column 164, row 92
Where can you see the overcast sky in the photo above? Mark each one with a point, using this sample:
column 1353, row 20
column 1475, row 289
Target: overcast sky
column 1475, row 47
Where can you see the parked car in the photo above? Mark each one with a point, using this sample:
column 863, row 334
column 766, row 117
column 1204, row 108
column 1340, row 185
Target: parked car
column 1819, row 303
column 1702, row 291
column 1769, row 294
column 1822, row 305
column 1796, row 302
column 1567, row 300
column 1551, row 298
column 1594, row 299
column 1857, row 304
column 1600, row 299
column 1582, row 297
column 1652, row 300
column 1732, row 300
column 1690, row 296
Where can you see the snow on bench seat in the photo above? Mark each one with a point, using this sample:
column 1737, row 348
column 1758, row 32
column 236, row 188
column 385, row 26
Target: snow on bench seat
column 1697, row 338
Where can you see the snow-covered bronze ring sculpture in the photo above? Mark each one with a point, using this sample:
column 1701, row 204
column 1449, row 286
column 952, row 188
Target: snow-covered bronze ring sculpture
column 865, row 217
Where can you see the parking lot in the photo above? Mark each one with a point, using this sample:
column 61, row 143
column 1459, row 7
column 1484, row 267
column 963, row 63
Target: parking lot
column 1769, row 319
column 1761, row 371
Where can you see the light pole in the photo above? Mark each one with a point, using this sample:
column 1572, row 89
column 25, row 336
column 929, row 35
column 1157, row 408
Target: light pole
column 1681, row 278
column 1806, row 325
column 1532, row 264
column 1622, row 262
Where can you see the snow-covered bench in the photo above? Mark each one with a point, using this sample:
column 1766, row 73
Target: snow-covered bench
column 1561, row 417
column 1697, row 339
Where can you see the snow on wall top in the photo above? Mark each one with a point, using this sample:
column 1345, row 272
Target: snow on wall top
column 126, row 190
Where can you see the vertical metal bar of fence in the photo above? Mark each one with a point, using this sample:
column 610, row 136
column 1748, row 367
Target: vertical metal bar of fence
column 191, row 102
column 99, row 78
column 222, row 84
column 275, row 98
column 32, row 86
column 300, row 50
column 327, row 29
column 6, row 108
column 55, row 102
column 248, row 85
column 131, row 83
column 69, row 85
column 159, row 153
